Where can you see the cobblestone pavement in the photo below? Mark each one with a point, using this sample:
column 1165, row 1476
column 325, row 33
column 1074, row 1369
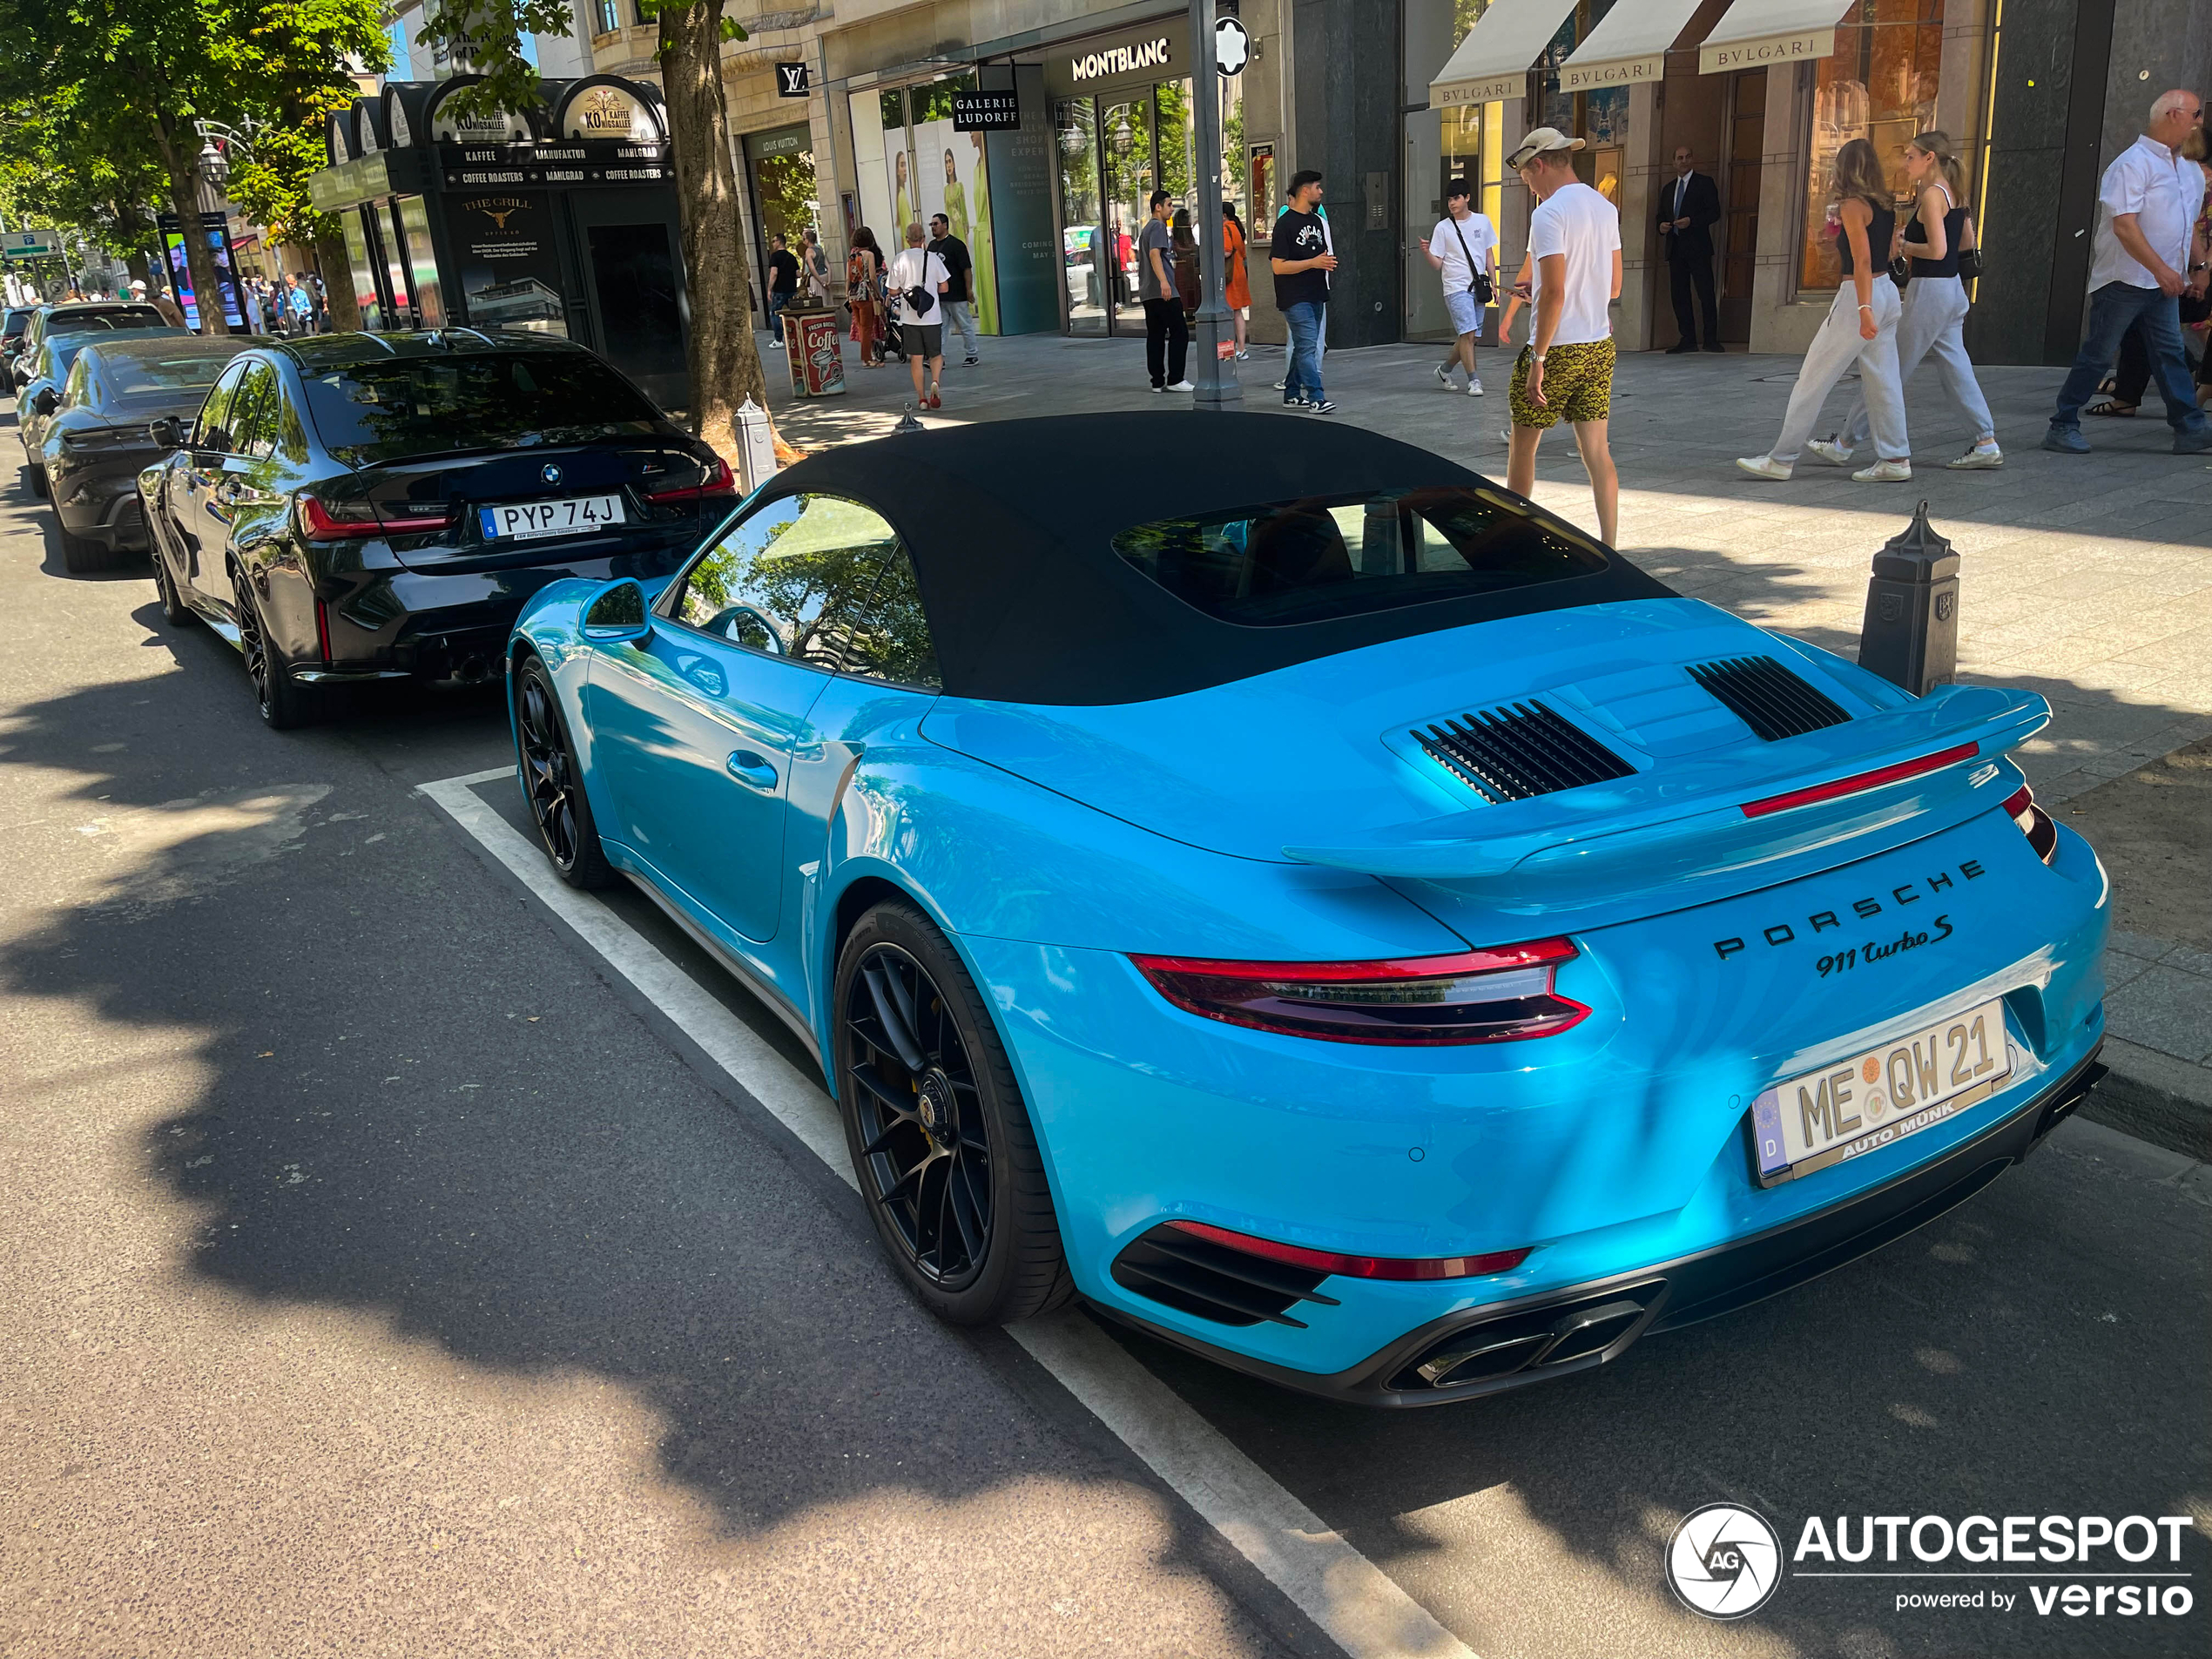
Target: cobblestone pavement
column 2087, row 578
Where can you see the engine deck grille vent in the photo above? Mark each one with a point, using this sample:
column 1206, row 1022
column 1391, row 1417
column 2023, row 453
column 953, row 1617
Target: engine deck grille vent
column 1214, row 1282
column 1767, row 697
column 1519, row 750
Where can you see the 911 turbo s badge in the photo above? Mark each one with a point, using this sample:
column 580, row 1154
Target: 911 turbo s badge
column 1784, row 933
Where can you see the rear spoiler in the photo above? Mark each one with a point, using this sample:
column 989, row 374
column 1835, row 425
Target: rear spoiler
column 1721, row 811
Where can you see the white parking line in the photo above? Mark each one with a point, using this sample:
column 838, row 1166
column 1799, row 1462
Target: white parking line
column 1359, row 1605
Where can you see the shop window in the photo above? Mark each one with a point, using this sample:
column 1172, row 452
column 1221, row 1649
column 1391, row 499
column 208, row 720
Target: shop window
column 1879, row 84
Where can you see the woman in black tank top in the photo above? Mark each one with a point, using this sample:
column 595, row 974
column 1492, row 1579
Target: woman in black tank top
column 1860, row 329
column 1930, row 322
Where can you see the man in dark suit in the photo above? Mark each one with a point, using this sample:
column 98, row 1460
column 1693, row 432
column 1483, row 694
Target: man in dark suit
column 1689, row 206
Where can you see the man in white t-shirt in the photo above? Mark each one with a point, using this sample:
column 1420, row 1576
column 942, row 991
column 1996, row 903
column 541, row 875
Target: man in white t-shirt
column 1463, row 247
column 1566, row 369
column 921, row 329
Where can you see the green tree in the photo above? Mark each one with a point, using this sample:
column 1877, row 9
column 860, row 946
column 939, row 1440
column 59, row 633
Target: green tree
column 50, row 172
column 725, row 358
column 139, row 74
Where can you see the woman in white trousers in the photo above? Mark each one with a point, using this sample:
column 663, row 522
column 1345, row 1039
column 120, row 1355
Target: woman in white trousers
column 1935, row 308
column 1860, row 328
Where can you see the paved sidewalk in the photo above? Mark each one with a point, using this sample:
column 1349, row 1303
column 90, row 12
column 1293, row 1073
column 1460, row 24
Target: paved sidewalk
column 2088, row 579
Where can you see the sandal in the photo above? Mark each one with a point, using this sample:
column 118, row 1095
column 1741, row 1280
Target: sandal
column 2110, row 406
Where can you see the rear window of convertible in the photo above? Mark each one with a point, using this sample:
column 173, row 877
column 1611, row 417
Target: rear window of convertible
column 1330, row 557
column 385, row 410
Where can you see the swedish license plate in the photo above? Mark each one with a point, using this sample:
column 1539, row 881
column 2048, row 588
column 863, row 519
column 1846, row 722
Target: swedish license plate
column 575, row 515
column 1878, row 1098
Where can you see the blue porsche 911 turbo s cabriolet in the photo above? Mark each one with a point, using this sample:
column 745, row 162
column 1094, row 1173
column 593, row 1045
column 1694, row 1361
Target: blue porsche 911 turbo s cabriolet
column 1314, row 905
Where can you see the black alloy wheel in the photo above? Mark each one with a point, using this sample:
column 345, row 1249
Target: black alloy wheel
column 944, row 1148
column 284, row 704
column 36, row 475
column 553, row 783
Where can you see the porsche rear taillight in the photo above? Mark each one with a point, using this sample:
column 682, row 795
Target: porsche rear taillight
column 1503, row 995
column 2035, row 823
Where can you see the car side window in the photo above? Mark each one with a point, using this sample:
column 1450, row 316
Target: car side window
column 889, row 638
column 290, row 433
column 208, row 432
column 791, row 579
column 253, row 413
column 79, row 389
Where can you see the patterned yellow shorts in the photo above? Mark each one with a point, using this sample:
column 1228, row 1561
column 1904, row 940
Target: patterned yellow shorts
column 1578, row 385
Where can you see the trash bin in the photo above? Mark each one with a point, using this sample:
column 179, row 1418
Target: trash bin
column 816, row 350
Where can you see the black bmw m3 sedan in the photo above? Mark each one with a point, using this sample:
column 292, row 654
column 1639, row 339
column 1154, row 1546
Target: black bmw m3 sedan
column 367, row 507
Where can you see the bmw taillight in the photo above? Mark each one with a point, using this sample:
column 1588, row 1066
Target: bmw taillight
column 2035, row 823
column 1407, row 1268
column 1502, row 994
column 721, row 481
column 321, row 521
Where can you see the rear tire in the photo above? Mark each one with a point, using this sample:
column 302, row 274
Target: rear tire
column 284, row 704
column 553, row 782
column 81, row 556
column 36, row 476
column 946, row 1157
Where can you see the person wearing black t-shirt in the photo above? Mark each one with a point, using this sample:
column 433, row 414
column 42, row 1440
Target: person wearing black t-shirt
column 783, row 282
column 960, row 298
column 1300, row 257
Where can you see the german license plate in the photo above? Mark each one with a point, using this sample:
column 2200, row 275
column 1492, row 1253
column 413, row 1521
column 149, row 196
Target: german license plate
column 574, row 515
column 1878, row 1098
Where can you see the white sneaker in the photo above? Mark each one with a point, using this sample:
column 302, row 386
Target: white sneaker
column 1830, row 451
column 1443, row 375
column 1181, row 386
column 1983, row 457
column 1764, row 467
column 1474, row 386
column 1279, row 384
column 1885, row 472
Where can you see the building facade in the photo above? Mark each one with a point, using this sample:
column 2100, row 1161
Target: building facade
column 1391, row 100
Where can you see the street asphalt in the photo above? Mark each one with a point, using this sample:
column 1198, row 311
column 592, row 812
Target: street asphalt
column 382, row 1275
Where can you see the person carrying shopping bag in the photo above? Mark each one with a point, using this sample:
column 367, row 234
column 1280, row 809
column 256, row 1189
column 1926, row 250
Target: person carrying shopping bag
column 1860, row 328
column 1934, row 311
column 864, row 293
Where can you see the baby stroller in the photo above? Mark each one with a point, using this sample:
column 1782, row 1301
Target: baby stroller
column 894, row 344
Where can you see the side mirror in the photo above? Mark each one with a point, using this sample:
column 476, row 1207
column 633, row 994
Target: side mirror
column 47, row 401
column 168, row 432
column 617, row 612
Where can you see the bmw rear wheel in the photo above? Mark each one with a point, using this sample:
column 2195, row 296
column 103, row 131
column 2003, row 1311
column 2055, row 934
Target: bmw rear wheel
column 283, row 702
column 946, row 1154
column 174, row 610
column 553, row 783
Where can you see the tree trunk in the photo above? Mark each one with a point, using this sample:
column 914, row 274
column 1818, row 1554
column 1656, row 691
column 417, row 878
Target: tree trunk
column 184, row 196
column 338, row 285
column 135, row 262
column 725, row 358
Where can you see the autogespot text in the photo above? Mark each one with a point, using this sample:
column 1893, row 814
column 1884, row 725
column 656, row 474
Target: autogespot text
column 2133, row 1562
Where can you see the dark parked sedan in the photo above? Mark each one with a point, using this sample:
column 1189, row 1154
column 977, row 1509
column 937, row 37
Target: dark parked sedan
column 93, row 447
column 42, row 375
column 13, row 324
column 106, row 315
column 368, row 507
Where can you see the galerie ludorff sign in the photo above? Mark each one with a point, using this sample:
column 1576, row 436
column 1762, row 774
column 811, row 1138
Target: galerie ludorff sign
column 1804, row 46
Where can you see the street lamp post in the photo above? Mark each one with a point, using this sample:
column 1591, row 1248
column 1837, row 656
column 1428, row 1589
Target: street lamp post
column 1217, row 380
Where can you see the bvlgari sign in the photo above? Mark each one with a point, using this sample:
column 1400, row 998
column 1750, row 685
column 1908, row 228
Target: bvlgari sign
column 1120, row 60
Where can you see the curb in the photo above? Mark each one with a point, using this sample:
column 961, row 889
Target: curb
column 2154, row 1097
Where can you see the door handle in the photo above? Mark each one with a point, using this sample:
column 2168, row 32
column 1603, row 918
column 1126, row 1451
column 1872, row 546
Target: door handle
column 752, row 770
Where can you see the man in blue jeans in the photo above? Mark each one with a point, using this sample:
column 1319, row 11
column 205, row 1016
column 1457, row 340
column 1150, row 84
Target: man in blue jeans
column 1300, row 258
column 2150, row 197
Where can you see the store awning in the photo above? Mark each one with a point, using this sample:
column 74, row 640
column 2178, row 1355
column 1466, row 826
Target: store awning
column 1493, row 61
column 1756, row 33
column 1628, row 47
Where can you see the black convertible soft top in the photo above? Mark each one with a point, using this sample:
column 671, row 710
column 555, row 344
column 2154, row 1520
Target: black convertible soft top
column 1011, row 527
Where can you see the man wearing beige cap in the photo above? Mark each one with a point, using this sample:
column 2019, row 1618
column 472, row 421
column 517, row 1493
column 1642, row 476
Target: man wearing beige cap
column 1566, row 370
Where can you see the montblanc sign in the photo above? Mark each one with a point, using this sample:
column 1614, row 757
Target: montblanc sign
column 1120, row 60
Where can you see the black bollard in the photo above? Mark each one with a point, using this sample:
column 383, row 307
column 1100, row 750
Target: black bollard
column 1911, row 634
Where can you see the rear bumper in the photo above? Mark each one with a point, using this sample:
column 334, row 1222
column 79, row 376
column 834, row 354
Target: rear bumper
column 1511, row 1345
column 104, row 508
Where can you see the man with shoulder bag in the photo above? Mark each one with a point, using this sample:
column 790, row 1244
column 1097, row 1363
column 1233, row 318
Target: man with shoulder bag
column 918, row 283
column 1464, row 249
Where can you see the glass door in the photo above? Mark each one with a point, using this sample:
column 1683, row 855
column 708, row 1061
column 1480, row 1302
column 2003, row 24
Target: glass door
column 1125, row 131
column 1082, row 250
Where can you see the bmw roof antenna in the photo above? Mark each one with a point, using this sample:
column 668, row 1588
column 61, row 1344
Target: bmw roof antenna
column 908, row 423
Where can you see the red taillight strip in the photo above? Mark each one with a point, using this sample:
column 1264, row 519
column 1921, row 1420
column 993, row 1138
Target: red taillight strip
column 1535, row 953
column 1860, row 781
column 1329, row 1261
column 318, row 523
column 322, row 628
column 722, row 482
